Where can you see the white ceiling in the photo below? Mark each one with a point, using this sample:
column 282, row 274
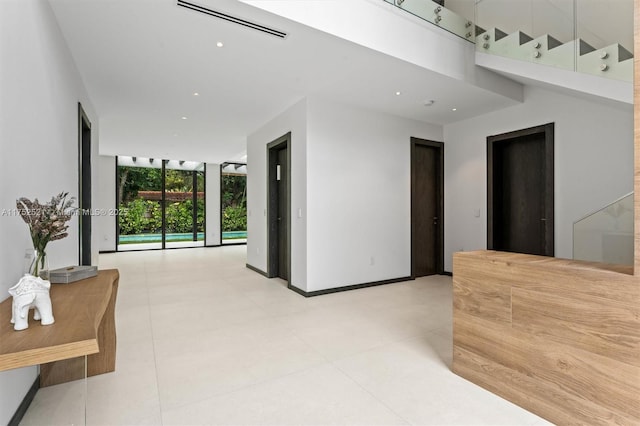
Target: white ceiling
column 142, row 60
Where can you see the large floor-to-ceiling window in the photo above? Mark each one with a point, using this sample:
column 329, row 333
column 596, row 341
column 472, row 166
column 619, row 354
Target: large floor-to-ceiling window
column 184, row 204
column 161, row 202
column 233, row 200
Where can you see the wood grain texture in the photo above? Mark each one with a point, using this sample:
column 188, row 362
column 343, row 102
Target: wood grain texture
column 526, row 392
column 491, row 301
column 105, row 360
column 569, row 348
column 66, row 370
column 78, row 309
column 636, row 133
column 582, row 321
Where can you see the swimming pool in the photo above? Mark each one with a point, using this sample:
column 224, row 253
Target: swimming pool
column 157, row 238
column 234, row 235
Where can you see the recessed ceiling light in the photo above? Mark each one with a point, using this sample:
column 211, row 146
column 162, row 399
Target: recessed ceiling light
column 398, row 93
column 454, row 109
column 220, row 44
column 196, row 94
column 184, row 118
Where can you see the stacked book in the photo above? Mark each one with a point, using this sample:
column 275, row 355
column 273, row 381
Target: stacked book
column 72, row 273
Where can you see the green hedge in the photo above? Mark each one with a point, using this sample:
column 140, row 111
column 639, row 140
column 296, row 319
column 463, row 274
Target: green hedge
column 145, row 217
column 140, row 216
column 234, row 219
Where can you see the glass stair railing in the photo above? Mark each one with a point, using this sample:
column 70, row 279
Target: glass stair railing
column 607, row 234
column 586, row 36
column 440, row 16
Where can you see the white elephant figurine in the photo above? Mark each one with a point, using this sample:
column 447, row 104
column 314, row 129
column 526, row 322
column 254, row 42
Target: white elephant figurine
column 31, row 292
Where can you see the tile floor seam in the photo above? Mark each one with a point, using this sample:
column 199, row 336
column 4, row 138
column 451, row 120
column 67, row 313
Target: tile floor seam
column 340, row 357
column 407, row 422
column 247, row 386
column 153, row 342
column 252, row 384
column 374, row 347
column 407, row 339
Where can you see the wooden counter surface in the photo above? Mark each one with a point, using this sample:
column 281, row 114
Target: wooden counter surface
column 84, row 325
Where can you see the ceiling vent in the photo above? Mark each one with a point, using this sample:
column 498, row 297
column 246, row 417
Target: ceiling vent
column 233, row 19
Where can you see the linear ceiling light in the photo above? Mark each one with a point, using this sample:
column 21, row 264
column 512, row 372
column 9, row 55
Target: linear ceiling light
column 230, row 18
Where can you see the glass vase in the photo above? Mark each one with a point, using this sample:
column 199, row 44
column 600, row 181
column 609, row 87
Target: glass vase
column 36, row 263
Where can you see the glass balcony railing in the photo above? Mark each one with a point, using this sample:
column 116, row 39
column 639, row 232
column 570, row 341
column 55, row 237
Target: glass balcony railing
column 607, row 234
column 588, row 36
column 436, row 13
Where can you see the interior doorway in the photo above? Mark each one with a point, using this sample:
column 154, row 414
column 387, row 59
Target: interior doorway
column 427, row 207
column 84, row 186
column 520, row 191
column 279, row 208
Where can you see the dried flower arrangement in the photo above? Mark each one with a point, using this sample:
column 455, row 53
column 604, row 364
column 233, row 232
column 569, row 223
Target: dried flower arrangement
column 47, row 222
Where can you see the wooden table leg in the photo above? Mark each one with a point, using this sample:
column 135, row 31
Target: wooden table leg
column 57, row 372
column 105, row 360
column 54, row 373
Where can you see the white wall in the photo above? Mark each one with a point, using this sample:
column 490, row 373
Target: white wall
column 292, row 120
column 464, row 8
column 606, row 236
column 359, row 199
column 350, row 184
column 39, row 92
column 405, row 36
column 593, row 164
column 106, row 203
column 359, row 21
column 212, row 208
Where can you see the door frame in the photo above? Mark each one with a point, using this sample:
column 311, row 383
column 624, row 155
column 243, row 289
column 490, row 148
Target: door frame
column 221, row 172
column 272, row 206
column 548, row 131
column 163, row 203
column 84, row 188
column 439, row 146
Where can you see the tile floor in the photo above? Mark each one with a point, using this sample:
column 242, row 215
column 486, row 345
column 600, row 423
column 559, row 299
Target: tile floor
column 204, row 340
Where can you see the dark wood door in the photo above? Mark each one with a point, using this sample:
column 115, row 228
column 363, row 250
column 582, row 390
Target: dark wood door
column 426, row 208
column 283, row 214
column 84, row 183
column 279, row 208
column 521, row 193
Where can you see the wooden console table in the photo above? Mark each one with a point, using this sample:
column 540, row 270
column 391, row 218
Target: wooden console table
column 84, row 313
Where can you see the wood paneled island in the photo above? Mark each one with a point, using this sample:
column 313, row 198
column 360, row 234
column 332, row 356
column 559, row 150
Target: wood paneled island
column 558, row 337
